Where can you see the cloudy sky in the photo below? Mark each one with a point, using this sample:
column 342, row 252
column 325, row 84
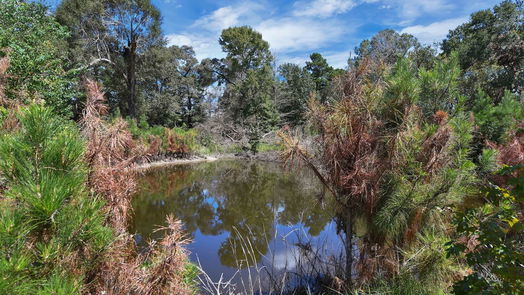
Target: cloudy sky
column 296, row 28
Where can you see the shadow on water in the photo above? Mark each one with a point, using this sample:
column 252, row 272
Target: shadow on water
column 240, row 214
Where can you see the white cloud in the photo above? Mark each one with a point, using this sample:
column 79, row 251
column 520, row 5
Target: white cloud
column 322, row 8
column 285, row 34
column 205, row 45
column 409, row 10
column 434, row 32
column 205, row 31
column 291, row 34
column 338, row 59
column 229, row 16
column 285, row 260
column 284, row 58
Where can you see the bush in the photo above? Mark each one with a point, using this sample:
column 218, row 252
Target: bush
column 178, row 142
column 51, row 228
column 491, row 238
column 35, row 44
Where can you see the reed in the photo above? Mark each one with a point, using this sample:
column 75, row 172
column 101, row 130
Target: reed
column 311, row 266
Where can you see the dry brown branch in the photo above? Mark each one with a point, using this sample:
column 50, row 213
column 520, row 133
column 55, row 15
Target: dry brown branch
column 111, row 151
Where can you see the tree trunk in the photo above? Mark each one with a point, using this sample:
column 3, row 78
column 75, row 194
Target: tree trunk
column 130, row 59
column 189, row 112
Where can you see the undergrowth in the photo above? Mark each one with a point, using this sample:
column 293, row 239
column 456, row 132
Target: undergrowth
column 181, row 142
column 65, row 203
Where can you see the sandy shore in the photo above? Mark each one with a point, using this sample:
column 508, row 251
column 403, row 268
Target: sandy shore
column 267, row 156
column 174, row 161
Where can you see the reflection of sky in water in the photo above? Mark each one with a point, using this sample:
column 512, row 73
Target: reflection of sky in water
column 282, row 253
column 217, row 200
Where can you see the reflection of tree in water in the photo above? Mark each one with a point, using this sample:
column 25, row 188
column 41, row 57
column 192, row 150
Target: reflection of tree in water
column 246, row 199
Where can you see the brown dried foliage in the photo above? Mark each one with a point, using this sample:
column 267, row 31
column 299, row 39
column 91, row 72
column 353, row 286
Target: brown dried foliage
column 111, row 151
column 176, row 144
column 433, row 148
column 440, row 117
column 10, row 123
column 352, row 156
column 374, row 259
column 357, row 149
column 123, row 270
column 511, row 153
column 165, row 275
column 351, row 150
column 4, row 65
column 111, row 155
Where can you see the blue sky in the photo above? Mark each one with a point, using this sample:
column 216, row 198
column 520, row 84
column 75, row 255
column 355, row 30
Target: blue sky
column 296, row 28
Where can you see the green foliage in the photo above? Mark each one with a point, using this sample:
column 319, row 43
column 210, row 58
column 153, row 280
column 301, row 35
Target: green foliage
column 170, row 138
column 190, row 276
column 492, row 240
column 423, row 150
column 402, row 91
column 88, row 38
column 249, row 98
column 401, row 286
column 323, row 75
column 495, row 120
column 36, row 46
column 410, row 188
column 487, row 163
column 297, row 86
column 47, row 216
column 490, row 49
column 173, row 86
column 252, row 99
column 427, row 262
column 110, row 50
column 386, row 45
column 246, row 50
column 439, row 86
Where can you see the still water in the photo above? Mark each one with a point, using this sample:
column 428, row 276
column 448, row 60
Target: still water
column 239, row 214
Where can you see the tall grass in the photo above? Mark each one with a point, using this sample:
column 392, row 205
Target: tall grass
column 311, row 266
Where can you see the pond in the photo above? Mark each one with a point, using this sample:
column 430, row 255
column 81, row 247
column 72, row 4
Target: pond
column 240, row 214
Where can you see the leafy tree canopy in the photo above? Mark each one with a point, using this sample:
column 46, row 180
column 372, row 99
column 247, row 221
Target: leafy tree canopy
column 36, row 46
column 245, row 50
column 491, row 49
column 116, row 32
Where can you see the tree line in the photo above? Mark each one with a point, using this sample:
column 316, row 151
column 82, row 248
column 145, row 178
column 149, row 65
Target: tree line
column 121, row 44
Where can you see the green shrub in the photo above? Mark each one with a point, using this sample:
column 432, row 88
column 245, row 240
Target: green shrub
column 36, row 46
column 492, row 238
column 494, row 120
column 51, row 228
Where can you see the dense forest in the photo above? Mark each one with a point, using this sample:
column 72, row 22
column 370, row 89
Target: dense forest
column 420, row 146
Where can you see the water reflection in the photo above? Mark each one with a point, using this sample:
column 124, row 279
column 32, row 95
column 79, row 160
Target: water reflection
column 223, row 204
